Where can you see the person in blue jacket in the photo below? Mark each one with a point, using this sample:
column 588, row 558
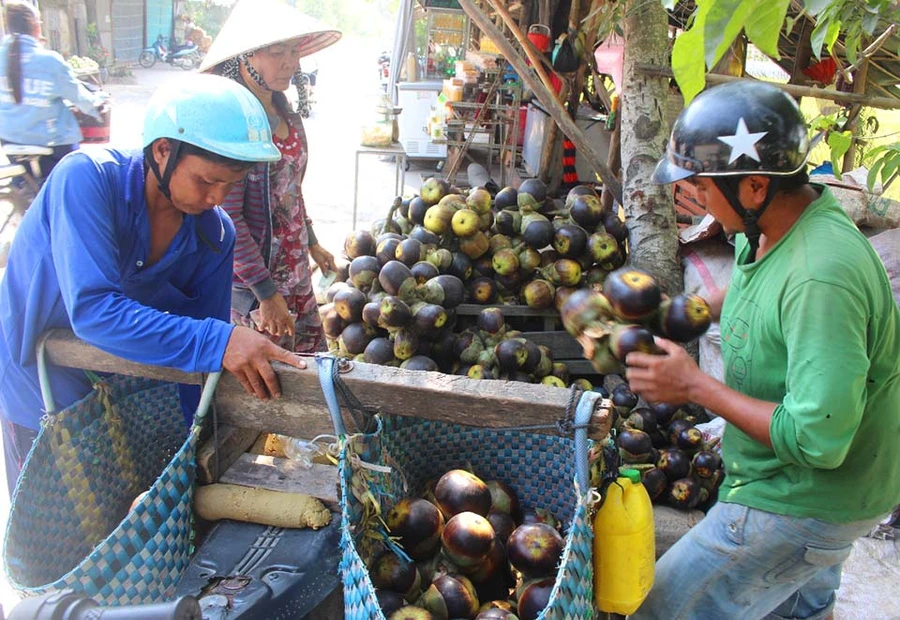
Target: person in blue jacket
column 131, row 252
column 36, row 89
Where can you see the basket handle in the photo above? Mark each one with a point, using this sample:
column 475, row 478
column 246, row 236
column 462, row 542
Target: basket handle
column 583, row 412
column 326, row 380
column 206, row 396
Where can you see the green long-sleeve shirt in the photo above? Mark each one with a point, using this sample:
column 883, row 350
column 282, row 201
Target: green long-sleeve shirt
column 813, row 327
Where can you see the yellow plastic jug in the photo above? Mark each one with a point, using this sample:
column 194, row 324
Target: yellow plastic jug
column 624, row 546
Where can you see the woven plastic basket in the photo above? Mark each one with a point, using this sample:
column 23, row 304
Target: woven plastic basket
column 70, row 525
column 540, row 468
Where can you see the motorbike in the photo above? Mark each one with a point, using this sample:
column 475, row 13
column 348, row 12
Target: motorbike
column 187, row 56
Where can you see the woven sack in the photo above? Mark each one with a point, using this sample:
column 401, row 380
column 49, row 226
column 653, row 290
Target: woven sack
column 540, row 468
column 70, row 525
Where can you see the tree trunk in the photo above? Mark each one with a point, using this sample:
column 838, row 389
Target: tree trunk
column 649, row 209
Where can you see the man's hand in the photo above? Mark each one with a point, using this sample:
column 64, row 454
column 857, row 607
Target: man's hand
column 665, row 378
column 323, row 258
column 248, row 357
column 274, row 316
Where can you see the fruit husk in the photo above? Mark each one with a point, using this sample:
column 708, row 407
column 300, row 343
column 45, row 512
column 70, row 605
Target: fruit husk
column 505, row 198
column 420, row 363
column 423, row 235
column 626, row 338
column 482, row 290
column 423, row 271
column 531, row 195
column 394, row 313
column 409, row 252
column 586, row 210
column 684, row 494
column 586, row 312
column 363, row 271
column 438, row 218
column 564, row 272
column 465, row 222
column 505, row 262
column 533, row 598
column 359, row 243
column 535, row 549
column 633, row 293
column 355, row 338
column 428, row 319
column 508, row 222
column 491, row 321
column 379, row 351
column 440, row 258
column 390, row 572
column 406, row 343
column 536, row 230
column 570, row 240
column 475, row 246
column 460, row 266
column 445, row 290
column 332, row 323
column 461, row 491
column 538, row 294
column 467, row 539
column 634, row 446
column 684, row 317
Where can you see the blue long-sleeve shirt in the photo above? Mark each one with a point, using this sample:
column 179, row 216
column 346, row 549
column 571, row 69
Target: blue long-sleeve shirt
column 79, row 261
column 43, row 117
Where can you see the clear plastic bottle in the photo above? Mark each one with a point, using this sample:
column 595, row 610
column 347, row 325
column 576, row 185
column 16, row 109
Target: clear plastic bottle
column 624, row 546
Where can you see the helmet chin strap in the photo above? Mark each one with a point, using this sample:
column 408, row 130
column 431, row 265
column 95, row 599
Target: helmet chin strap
column 729, row 188
column 163, row 179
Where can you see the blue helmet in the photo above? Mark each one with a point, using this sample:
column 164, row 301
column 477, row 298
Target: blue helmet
column 212, row 113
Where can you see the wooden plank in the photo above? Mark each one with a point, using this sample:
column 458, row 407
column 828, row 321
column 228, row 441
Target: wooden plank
column 508, row 310
column 281, row 474
column 560, row 343
column 223, row 448
column 66, row 349
column 302, row 411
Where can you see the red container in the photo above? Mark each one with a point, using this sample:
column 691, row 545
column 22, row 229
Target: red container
column 539, row 35
column 92, row 130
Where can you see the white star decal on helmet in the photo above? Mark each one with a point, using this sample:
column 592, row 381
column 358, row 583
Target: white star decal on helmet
column 742, row 142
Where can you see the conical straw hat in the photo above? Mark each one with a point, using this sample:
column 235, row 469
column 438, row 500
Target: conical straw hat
column 254, row 24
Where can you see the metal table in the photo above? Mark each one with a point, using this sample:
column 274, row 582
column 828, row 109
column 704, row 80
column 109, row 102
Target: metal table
column 396, row 150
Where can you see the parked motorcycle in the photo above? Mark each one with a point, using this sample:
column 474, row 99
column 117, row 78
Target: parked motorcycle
column 187, row 57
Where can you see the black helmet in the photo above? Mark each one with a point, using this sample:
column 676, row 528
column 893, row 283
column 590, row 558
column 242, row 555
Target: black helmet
column 736, row 129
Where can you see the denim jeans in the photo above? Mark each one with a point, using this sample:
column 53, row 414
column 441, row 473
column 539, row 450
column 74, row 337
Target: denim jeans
column 742, row 563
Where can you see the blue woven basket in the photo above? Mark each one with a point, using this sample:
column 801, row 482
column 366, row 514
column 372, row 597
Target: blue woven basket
column 540, row 468
column 70, row 525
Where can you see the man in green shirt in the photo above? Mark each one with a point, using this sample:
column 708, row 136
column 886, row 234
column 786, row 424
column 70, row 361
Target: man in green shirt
column 811, row 347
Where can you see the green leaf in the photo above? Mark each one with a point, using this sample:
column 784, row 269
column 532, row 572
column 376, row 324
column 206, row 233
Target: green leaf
column 890, row 168
column 869, row 23
column 687, row 62
column 873, row 174
column 851, row 46
column 723, row 22
column 814, row 7
column 834, row 29
column 763, row 25
column 840, row 142
column 817, row 38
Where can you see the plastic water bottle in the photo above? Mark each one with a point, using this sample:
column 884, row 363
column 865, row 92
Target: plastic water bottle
column 624, row 546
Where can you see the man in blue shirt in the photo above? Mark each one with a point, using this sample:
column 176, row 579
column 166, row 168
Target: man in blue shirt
column 130, row 251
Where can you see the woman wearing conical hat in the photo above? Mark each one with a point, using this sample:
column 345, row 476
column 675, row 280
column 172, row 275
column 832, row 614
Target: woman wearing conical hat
column 260, row 46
